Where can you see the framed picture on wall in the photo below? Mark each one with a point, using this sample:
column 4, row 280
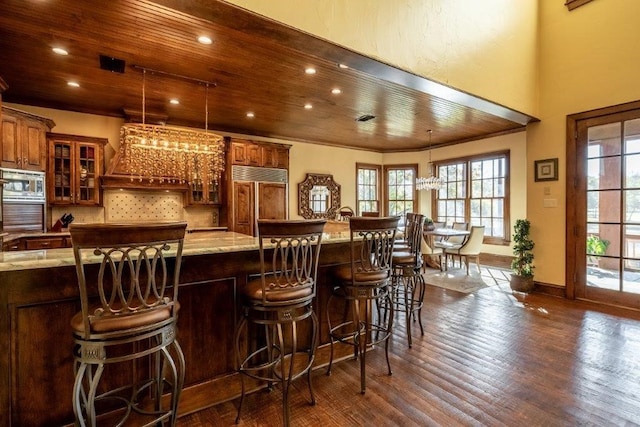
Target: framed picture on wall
column 546, row 170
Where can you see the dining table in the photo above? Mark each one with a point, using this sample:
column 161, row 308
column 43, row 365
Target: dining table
column 444, row 233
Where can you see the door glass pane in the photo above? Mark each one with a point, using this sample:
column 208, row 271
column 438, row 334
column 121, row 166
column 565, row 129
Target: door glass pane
column 604, row 140
column 603, row 206
column 600, row 278
column 603, row 242
column 631, row 281
column 632, row 206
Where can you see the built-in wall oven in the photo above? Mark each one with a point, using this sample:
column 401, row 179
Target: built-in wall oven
column 23, row 199
column 23, row 186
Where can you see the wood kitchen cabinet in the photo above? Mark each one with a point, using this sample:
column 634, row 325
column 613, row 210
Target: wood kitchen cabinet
column 245, row 153
column 275, row 156
column 24, row 137
column 244, row 207
column 275, row 196
column 75, row 167
column 40, row 242
column 270, row 199
column 204, row 192
column 263, row 154
column 258, row 184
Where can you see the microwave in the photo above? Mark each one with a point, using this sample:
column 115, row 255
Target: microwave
column 23, row 186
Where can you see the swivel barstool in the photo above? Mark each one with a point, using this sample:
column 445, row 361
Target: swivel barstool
column 128, row 283
column 276, row 302
column 409, row 286
column 364, row 286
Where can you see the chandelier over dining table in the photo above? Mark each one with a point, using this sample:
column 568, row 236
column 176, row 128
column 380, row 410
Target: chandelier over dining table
column 172, row 154
column 432, row 182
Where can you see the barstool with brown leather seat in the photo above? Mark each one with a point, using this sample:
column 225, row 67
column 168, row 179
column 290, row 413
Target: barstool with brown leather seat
column 409, row 284
column 128, row 283
column 364, row 285
column 277, row 301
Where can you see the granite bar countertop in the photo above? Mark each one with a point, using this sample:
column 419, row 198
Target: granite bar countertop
column 200, row 243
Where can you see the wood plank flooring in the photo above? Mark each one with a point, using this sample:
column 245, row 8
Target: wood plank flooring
column 490, row 358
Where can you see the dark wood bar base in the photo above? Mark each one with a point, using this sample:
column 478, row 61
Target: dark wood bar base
column 36, row 305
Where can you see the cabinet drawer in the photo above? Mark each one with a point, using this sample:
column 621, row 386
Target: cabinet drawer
column 13, row 245
column 45, row 243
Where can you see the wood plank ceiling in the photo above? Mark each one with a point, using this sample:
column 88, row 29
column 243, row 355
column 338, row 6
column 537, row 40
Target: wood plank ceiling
column 254, row 65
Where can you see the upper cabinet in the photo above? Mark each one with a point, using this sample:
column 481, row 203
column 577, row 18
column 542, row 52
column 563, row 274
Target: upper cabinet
column 75, row 167
column 24, row 139
column 204, row 191
column 250, row 153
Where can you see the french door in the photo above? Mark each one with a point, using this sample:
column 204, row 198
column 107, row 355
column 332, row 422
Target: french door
column 603, row 207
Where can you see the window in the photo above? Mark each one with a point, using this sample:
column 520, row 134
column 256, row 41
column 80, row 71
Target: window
column 368, row 185
column 476, row 191
column 400, row 182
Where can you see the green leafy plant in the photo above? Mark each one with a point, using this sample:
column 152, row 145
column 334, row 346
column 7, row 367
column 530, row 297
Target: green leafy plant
column 522, row 264
column 596, row 247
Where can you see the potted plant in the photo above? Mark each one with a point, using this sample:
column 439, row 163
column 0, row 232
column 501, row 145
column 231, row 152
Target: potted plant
column 595, row 248
column 522, row 264
column 428, row 224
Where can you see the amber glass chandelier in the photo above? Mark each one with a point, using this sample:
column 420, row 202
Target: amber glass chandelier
column 171, row 154
column 432, row 182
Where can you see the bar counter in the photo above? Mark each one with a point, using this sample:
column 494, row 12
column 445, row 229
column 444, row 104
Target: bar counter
column 39, row 295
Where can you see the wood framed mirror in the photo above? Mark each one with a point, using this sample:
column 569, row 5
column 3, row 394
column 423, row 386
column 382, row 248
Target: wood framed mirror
column 318, row 197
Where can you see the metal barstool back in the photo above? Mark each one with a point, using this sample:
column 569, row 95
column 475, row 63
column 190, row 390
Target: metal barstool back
column 277, row 300
column 128, row 282
column 364, row 284
column 402, row 243
column 409, row 284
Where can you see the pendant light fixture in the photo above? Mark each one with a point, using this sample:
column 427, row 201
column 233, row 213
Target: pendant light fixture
column 432, row 182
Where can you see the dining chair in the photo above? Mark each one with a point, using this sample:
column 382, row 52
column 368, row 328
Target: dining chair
column 431, row 252
column 469, row 249
column 454, row 242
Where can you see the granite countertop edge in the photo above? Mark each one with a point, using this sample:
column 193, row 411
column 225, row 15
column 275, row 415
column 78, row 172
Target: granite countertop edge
column 201, row 243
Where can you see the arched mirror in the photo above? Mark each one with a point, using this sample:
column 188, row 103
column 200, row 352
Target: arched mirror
column 318, row 196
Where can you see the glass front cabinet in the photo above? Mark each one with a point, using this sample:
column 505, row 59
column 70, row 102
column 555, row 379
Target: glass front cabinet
column 75, row 167
column 204, row 192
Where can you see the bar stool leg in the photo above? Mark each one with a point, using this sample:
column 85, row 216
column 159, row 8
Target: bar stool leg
column 314, row 346
column 362, row 347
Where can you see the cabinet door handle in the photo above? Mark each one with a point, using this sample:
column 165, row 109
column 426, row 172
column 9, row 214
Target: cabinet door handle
column 25, row 162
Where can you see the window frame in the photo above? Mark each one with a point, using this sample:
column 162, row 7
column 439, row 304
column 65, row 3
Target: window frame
column 416, row 198
column 467, row 160
column 378, row 200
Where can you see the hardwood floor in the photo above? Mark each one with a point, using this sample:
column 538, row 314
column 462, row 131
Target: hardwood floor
column 487, row 358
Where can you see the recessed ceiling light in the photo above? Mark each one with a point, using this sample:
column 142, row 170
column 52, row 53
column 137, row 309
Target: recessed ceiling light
column 174, row 101
column 336, row 91
column 73, row 84
column 343, row 66
column 310, row 70
column 308, row 106
column 205, row 40
column 60, row 51
column 250, row 115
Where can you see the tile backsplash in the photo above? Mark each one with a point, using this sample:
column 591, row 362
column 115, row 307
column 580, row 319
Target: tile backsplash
column 136, row 206
column 141, row 206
